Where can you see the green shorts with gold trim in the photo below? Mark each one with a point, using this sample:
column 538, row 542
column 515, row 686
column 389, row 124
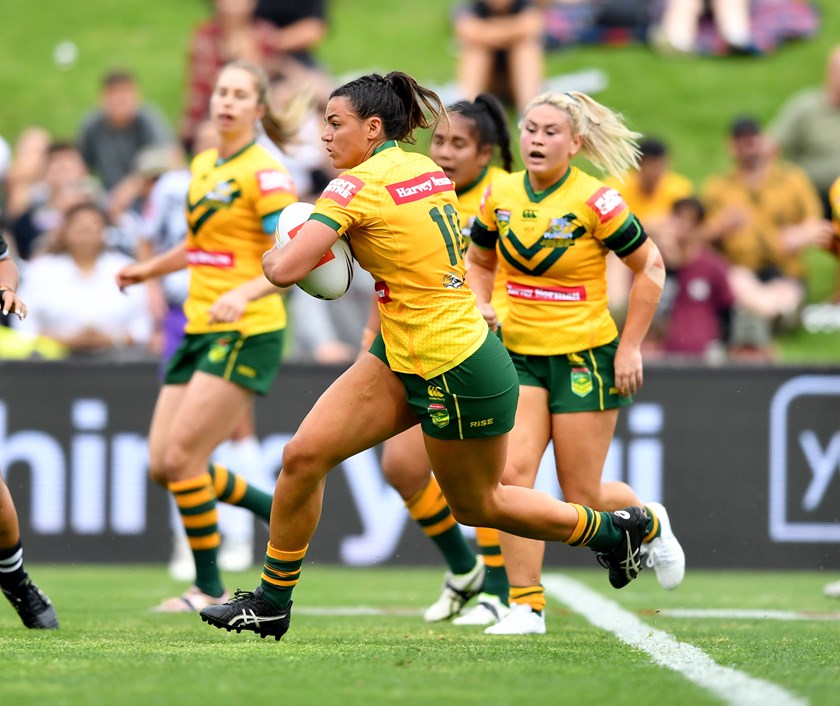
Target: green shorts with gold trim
column 576, row 382
column 475, row 399
column 251, row 362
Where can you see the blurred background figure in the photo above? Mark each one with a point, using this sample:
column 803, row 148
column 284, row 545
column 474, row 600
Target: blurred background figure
column 500, row 50
column 231, row 32
column 762, row 215
column 807, row 127
column 695, row 313
column 111, row 135
column 650, row 191
column 298, row 29
column 57, row 180
column 681, row 21
column 71, row 295
column 27, row 163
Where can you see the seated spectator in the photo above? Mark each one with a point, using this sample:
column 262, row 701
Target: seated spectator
column 39, row 211
column 111, row 136
column 720, row 27
column 501, row 42
column 299, row 27
column 607, row 22
column 762, row 215
column 806, row 129
column 696, row 308
column 26, row 170
column 231, row 33
column 71, row 295
column 649, row 191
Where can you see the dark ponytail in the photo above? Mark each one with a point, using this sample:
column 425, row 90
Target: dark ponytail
column 397, row 99
column 491, row 126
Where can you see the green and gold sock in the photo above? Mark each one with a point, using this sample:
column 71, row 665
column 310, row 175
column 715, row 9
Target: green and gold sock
column 533, row 596
column 233, row 489
column 280, row 575
column 196, row 500
column 654, row 528
column 429, row 509
column 594, row 530
column 495, row 576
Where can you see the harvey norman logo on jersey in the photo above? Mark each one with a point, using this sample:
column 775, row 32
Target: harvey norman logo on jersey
column 420, row 187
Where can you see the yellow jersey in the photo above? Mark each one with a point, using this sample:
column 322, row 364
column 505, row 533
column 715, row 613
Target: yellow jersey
column 400, row 213
column 553, row 248
column 225, row 241
column 469, row 203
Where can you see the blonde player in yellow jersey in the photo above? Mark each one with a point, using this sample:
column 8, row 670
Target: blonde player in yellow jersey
column 434, row 361
column 463, row 146
column 235, row 318
column 549, row 229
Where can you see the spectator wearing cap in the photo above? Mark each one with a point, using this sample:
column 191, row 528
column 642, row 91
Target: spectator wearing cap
column 763, row 213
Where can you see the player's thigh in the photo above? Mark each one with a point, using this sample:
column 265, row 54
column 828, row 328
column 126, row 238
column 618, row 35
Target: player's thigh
column 529, row 437
column 405, row 463
column 581, row 443
column 365, row 406
column 207, row 415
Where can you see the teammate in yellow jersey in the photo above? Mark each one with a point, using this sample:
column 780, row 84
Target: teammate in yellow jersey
column 463, row 146
column 235, row 318
column 433, row 363
column 549, row 229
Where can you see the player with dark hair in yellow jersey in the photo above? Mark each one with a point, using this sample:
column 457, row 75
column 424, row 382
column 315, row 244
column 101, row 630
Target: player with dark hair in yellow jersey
column 548, row 229
column 463, row 146
column 235, row 317
column 433, row 362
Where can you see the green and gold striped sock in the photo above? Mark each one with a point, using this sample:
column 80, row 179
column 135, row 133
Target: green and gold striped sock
column 654, row 528
column 495, row 576
column 533, row 596
column 429, row 509
column 233, row 489
column 196, row 500
column 594, row 530
column 280, row 575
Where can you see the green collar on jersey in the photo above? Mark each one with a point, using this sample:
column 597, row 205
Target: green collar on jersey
column 537, row 197
column 385, row 146
column 464, row 190
column 221, row 161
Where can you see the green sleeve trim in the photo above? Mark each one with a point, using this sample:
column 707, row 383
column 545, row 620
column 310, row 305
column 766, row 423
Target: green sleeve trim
column 326, row 220
column 628, row 238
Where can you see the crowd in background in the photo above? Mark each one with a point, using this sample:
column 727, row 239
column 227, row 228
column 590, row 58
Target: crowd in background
column 76, row 208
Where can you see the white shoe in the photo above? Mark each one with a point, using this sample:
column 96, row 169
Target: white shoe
column 457, row 590
column 489, row 611
column 521, row 620
column 193, row 600
column 832, row 590
column 181, row 563
column 664, row 554
column 236, row 554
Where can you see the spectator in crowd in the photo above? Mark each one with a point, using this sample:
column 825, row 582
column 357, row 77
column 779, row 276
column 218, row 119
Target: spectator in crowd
column 231, row 33
column 680, row 23
column 500, row 49
column 650, row 191
column 41, row 207
column 807, row 126
column 71, row 294
column 299, row 27
column 32, row 605
column 697, row 303
column 111, row 135
column 26, row 170
column 762, row 214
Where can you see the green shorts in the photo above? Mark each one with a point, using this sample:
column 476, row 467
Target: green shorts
column 576, row 382
column 475, row 399
column 251, row 362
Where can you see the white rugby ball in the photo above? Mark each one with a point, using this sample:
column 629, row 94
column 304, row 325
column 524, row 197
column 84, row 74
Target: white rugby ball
column 332, row 275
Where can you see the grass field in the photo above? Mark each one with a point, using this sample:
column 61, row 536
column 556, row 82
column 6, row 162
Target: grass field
column 111, row 649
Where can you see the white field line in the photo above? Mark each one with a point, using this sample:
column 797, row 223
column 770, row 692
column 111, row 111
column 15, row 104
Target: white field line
column 729, row 685
column 755, row 614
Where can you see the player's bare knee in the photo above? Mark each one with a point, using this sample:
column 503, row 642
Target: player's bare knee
column 302, row 458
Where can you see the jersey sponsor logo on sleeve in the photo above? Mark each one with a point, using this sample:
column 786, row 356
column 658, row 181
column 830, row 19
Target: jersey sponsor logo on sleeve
column 210, row 258
column 607, row 203
column 420, row 187
column 383, row 294
column 546, row 294
column 270, row 181
column 343, row 188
